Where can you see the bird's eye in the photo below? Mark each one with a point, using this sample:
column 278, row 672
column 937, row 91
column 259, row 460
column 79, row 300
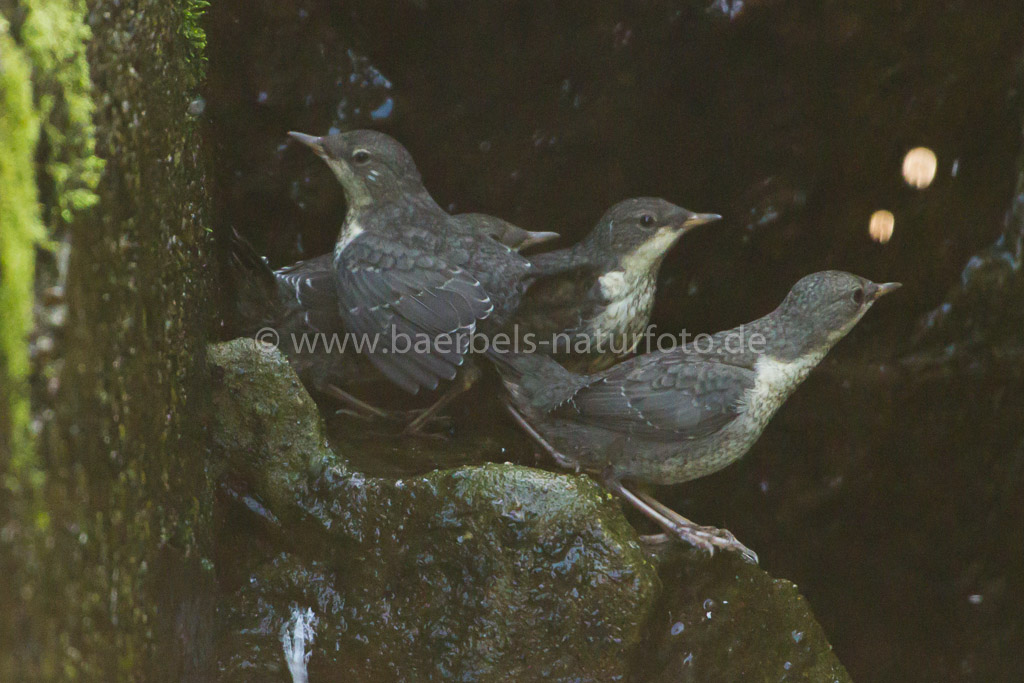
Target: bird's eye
column 361, row 156
column 858, row 296
column 647, row 220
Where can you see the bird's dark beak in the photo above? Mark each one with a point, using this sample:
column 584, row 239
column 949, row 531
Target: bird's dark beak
column 311, row 141
column 692, row 220
column 875, row 290
column 534, row 238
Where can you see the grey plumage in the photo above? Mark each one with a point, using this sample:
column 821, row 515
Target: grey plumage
column 412, row 274
column 673, row 416
column 298, row 302
column 599, row 293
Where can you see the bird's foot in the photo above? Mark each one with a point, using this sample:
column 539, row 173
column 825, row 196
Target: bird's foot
column 414, row 422
column 402, row 421
column 564, row 461
column 354, row 407
column 426, row 424
column 705, row 538
column 432, row 414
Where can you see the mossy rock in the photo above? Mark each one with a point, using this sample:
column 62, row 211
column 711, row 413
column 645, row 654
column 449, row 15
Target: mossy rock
column 721, row 619
column 105, row 503
column 453, row 574
column 493, row 572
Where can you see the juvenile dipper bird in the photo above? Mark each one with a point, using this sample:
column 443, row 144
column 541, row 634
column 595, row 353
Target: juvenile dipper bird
column 597, row 295
column 301, row 299
column 409, row 275
column 512, row 236
column 669, row 417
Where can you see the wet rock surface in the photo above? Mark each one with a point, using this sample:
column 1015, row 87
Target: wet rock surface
column 493, row 572
column 888, row 487
column 884, row 479
column 105, row 507
column 725, row 620
column 479, row 573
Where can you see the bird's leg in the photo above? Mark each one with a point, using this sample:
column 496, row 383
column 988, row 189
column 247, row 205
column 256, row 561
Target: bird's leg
column 723, row 537
column 466, row 379
column 356, row 407
column 559, row 458
column 362, row 410
column 703, row 537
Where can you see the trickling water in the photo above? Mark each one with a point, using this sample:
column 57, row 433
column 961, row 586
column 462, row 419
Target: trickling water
column 297, row 638
column 888, row 487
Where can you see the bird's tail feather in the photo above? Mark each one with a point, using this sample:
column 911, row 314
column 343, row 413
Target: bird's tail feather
column 558, row 262
column 255, row 287
column 536, row 379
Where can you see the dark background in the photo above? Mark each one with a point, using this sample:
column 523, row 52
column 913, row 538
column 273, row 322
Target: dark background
column 890, row 487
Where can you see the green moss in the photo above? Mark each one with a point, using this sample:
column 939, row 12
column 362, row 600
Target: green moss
column 449, row 575
column 192, row 30
column 113, row 588
column 456, row 573
column 20, row 230
column 721, row 619
column 45, row 90
column 54, row 35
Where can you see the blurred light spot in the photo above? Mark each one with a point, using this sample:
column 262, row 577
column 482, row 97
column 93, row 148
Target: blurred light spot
column 678, row 628
column 919, row 167
column 881, row 226
column 383, row 111
column 975, row 599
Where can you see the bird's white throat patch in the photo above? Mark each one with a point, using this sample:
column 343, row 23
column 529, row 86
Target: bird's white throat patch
column 774, row 381
column 349, row 231
column 648, row 253
column 356, row 192
column 626, row 294
column 629, row 292
column 613, row 285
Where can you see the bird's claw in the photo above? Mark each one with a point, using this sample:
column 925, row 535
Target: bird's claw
column 705, row 538
column 420, row 433
column 708, row 538
column 565, row 462
column 408, row 419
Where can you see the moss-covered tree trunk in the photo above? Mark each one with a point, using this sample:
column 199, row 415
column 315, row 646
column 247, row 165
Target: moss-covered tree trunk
column 104, row 278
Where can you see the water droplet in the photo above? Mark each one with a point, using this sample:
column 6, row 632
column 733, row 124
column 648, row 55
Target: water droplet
column 383, row 111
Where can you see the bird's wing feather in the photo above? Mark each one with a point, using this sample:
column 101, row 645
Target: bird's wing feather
column 665, row 397
column 388, row 290
column 311, row 282
column 558, row 303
